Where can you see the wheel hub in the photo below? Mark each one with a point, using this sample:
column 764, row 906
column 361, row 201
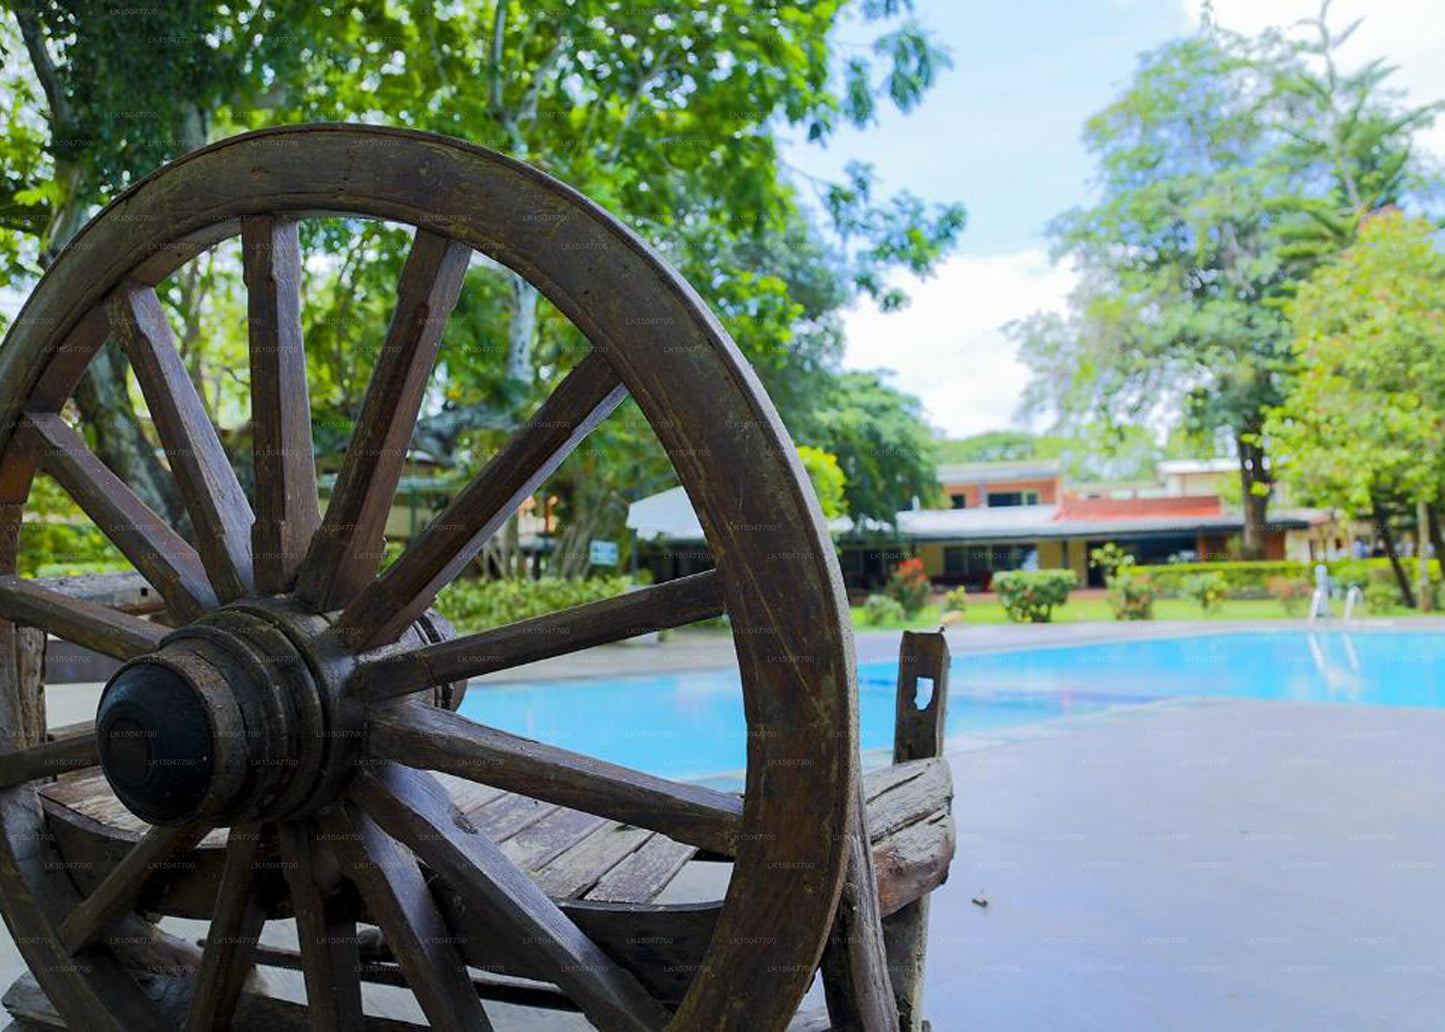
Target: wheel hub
column 237, row 717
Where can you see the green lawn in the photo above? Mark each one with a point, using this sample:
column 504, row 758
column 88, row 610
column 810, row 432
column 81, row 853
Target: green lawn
column 1081, row 609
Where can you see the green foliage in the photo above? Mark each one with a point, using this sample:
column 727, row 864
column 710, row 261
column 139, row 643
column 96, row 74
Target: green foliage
column 1093, row 453
column 1382, row 598
column 1356, row 573
column 992, row 446
column 1292, row 593
column 474, row 605
column 1228, row 167
column 956, row 601
column 1111, row 560
column 1207, row 589
column 671, row 116
column 58, row 540
column 1376, row 578
column 827, row 479
column 1131, row 597
column 1236, row 575
column 1243, row 577
column 1031, row 595
column 881, row 611
column 908, row 585
column 882, row 443
column 1366, row 414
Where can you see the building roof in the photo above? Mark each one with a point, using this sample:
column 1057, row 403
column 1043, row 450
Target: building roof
column 1032, row 522
column 669, row 516
column 666, row 515
column 1175, row 467
column 988, row 472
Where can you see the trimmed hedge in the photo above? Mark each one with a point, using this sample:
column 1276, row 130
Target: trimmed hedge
column 1255, row 576
column 475, row 605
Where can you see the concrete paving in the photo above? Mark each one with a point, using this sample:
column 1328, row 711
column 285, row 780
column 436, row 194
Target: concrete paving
column 1184, row 865
column 1199, row 865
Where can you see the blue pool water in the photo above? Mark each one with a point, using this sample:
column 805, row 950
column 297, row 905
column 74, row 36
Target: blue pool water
column 690, row 725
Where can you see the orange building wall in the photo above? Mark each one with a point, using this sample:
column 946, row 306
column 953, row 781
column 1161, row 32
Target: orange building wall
column 1047, row 489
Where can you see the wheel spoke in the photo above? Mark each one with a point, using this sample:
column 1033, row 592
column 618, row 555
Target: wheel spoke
column 431, row 738
column 75, row 751
column 160, row 554
column 218, row 507
column 389, row 604
column 415, row 809
column 287, row 512
column 107, row 631
column 346, row 551
column 231, row 942
column 330, row 959
column 398, row 900
column 122, row 887
column 671, row 604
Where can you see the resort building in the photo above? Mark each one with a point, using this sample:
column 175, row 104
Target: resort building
column 1023, row 515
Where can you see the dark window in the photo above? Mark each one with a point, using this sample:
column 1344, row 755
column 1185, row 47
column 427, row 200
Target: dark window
column 1004, row 499
column 976, row 564
column 959, row 501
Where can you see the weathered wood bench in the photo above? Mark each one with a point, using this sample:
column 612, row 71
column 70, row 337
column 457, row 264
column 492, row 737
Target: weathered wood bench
column 607, row 876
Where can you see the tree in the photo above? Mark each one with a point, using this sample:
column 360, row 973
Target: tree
column 1361, row 427
column 881, row 442
column 669, row 115
column 827, row 478
column 112, row 92
column 1224, row 169
column 1108, row 452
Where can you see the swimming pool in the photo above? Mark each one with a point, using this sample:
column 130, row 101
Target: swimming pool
column 690, row 725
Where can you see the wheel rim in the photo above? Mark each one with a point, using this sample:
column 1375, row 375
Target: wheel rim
column 651, row 334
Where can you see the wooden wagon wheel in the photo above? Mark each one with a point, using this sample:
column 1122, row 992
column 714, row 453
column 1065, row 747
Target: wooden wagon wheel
column 284, row 703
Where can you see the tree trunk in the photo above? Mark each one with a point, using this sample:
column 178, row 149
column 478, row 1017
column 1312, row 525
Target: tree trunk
column 521, row 330
column 1422, row 571
column 119, row 441
column 1401, row 577
column 1256, row 506
column 1437, row 540
column 512, row 549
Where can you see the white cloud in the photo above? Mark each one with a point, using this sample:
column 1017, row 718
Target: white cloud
column 1407, row 33
column 948, row 346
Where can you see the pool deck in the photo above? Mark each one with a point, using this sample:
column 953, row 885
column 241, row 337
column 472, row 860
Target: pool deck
column 1202, row 865
column 1181, row 865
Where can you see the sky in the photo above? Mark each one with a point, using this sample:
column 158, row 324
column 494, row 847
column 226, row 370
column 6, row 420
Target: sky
column 1000, row 132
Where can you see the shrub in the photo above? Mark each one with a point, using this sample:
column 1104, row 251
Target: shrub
column 908, row 586
column 1131, row 597
column 1032, row 594
column 1376, row 579
column 1382, row 597
column 1291, row 592
column 955, row 601
column 880, row 610
column 1207, row 589
column 1111, row 560
column 477, row 604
